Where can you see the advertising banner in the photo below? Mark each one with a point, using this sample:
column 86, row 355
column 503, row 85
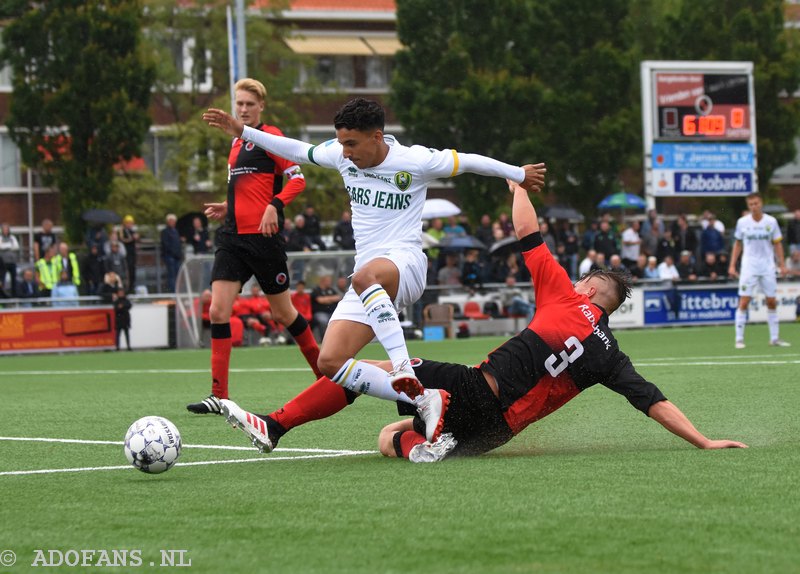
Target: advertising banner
column 56, row 329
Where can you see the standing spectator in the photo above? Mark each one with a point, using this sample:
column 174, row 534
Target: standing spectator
column 758, row 240
column 471, row 270
column 667, row 269
column 722, row 265
column 27, row 287
column 94, row 267
column 66, row 260
column 631, row 244
column 313, row 228
column 96, row 235
column 129, row 237
column 453, row 227
column 43, row 239
column 298, row 239
column 793, row 232
column 200, row 240
column 301, row 299
column 171, row 250
column 665, row 246
column 587, row 239
column 9, row 256
column 116, row 262
column 710, row 219
column 323, row 301
column 587, row 262
column 436, row 230
column 711, row 238
column 65, row 292
column 605, row 241
column 46, row 273
column 686, row 267
column 122, row 312
column 793, row 264
column 637, row 271
column 343, row 232
column 505, row 224
column 568, row 238
column 684, row 237
column 548, row 238
column 651, row 231
column 111, row 284
column 483, row 232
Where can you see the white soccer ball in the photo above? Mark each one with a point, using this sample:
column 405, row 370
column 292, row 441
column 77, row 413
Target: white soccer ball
column 152, row 444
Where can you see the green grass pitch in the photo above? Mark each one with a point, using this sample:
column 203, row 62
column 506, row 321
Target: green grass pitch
column 595, row 487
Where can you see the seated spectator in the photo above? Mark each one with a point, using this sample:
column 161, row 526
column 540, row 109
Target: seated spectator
column 323, row 302
column 599, row 261
column 505, row 224
column 793, row 264
column 205, row 308
column 27, row 287
column 547, row 236
column 64, row 290
column 708, row 268
column 686, row 267
column 615, row 264
column 637, row 271
column 255, row 313
column 297, row 240
column 9, row 257
column 3, row 293
column 301, row 299
column 722, row 265
column 450, row 274
column 514, row 302
column 587, row 263
column 312, row 228
column 116, row 262
column 667, row 269
column 651, row 270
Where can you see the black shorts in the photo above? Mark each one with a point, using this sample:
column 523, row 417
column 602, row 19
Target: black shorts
column 240, row 257
column 474, row 417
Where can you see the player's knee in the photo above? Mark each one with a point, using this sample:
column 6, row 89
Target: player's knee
column 363, row 279
column 219, row 313
column 329, row 365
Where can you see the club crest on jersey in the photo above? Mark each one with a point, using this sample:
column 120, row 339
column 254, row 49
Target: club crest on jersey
column 402, row 179
column 280, row 278
column 352, row 170
column 249, row 146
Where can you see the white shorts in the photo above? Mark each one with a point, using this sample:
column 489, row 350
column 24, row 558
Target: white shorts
column 768, row 284
column 413, row 268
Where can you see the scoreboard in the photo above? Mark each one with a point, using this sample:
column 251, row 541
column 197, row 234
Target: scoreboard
column 699, row 128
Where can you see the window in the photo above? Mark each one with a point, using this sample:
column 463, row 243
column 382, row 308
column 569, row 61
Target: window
column 10, row 168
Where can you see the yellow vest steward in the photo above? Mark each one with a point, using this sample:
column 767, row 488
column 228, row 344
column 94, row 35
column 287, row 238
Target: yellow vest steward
column 76, row 270
column 48, row 275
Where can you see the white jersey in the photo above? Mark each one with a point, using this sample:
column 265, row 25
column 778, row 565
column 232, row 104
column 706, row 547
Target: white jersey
column 758, row 244
column 387, row 200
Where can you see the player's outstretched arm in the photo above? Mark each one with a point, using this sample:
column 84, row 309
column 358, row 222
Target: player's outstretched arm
column 530, row 176
column 671, row 418
column 523, row 214
column 223, row 120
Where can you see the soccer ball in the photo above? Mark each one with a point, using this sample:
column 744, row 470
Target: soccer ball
column 152, row 444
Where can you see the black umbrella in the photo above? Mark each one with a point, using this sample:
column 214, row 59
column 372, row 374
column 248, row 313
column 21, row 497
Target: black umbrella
column 460, row 242
column 101, row 216
column 562, row 212
column 185, row 223
column 504, row 246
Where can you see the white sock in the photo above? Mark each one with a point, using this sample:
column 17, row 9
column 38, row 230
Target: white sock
column 774, row 325
column 740, row 319
column 367, row 379
column 383, row 319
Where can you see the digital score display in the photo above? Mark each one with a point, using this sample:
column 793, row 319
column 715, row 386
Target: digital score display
column 692, row 106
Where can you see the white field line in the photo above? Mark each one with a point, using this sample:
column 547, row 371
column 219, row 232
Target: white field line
column 312, row 453
column 701, row 361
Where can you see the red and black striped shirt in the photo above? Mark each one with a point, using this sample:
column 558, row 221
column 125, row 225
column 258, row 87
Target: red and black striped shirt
column 255, row 179
column 567, row 347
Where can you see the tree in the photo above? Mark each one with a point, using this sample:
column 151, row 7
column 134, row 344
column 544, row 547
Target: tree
column 746, row 30
column 81, row 90
column 521, row 81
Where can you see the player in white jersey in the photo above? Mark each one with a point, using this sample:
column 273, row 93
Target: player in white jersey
column 758, row 240
column 387, row 184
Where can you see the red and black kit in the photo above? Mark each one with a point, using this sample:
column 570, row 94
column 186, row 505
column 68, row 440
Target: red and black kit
column 567, row 348
column 255, row 180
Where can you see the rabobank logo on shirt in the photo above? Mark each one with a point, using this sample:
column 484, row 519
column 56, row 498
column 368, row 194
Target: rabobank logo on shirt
column 700, row 182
